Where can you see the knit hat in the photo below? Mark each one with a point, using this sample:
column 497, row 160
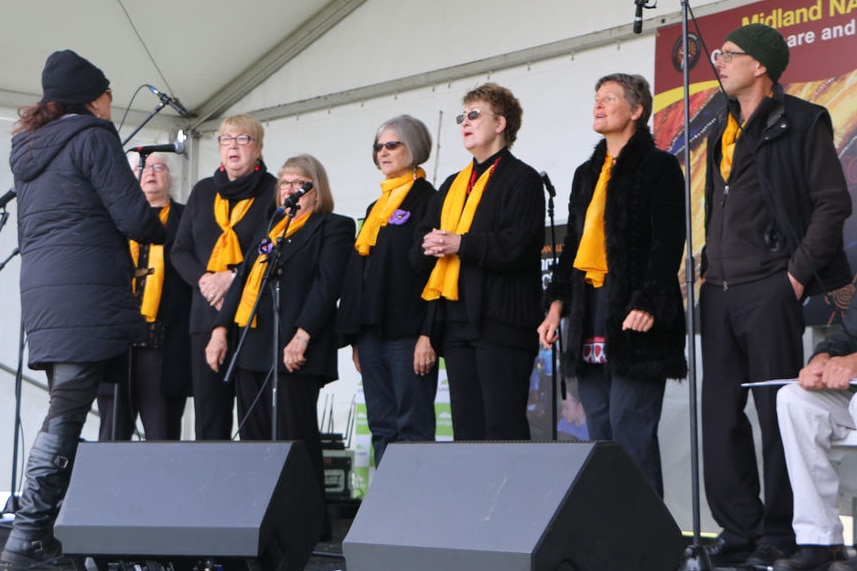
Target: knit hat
column 765, row 44
column 71, row 79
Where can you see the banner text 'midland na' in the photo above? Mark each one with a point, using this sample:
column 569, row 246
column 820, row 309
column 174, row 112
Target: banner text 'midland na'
column 783, row 18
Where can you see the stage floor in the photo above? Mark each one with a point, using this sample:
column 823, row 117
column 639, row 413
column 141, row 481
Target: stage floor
column 327, row 556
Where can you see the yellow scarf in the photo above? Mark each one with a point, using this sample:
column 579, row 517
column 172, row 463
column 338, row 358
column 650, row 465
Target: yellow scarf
column 455, row 216
column 227, row 250
column 727, row 145
column 154, row 285
column 592, row 250
column 393, row 193
column 254, row 278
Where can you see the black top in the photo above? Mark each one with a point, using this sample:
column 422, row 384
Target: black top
column 383, row 289
column 500, row 281
column 644, row 239
column 198, row 231
column 310, row 283
column 789, row 160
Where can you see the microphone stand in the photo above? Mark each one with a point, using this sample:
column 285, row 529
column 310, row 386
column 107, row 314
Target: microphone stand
column 12, row 503
column 117, row 392
column 556, row 348
column 154, row 112
column 273, row 266
column 696, row 557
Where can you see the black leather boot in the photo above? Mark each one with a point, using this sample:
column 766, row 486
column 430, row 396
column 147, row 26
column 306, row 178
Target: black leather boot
column 32, row 544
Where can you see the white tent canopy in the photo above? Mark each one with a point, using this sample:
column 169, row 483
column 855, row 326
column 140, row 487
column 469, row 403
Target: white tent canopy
column 322, row 75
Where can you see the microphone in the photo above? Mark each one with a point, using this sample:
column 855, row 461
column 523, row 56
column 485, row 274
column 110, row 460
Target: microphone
column 6, row 198
column 292, row 200
column 177, row 147
column 638, row 17
column 548, row 184
column 167, row 100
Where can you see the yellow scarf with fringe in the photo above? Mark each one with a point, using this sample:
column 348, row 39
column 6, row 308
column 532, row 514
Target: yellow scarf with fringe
column 393, row 193
column 592, row 250
column 727, row 145
column 153, row 288
column 227, row 250
column 254, row 278
column 456, row 216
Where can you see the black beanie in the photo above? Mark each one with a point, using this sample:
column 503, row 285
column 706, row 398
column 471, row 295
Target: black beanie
column 71, row 79
column 765, row 44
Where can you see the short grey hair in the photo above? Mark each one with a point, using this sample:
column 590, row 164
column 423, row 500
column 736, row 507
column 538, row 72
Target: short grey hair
column 410, row 131
column 637, row 92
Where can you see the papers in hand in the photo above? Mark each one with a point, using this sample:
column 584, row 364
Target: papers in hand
column 779, row 382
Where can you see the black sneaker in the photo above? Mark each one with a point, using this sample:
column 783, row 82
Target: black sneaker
column 811, row 558
column 850, row 565
column 765, row 556
column 723, row 554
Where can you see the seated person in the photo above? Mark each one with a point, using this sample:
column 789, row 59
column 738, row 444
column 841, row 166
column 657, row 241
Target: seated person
column 812, row 413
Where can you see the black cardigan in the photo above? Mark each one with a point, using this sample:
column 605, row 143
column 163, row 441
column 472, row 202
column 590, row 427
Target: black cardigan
column 500, row 281
column 310, row 283
column 198, row 233
column 383, row 289
column 645, row 235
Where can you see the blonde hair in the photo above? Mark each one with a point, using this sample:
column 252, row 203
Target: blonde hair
column 244, row 124
column 312, row 168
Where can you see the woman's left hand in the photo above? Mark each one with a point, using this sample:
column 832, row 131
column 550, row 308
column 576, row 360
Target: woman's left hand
column 293, row 353
column 214, row 287
column 638, row 320
column 424, row 356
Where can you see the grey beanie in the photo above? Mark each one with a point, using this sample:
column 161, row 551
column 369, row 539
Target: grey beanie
column 765, row 44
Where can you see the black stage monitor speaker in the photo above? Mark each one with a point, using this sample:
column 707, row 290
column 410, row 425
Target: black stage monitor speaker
column 244, row 505
column 509, row 506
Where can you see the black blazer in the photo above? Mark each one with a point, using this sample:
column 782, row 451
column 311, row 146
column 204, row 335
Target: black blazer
column 174, row 313
column 310, row 283
column 383, row 289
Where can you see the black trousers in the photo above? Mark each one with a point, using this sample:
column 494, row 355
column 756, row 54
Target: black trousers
column 489, row 386
column 160, row 414
column 750, row 332
column 297, row 412
column 213, row 400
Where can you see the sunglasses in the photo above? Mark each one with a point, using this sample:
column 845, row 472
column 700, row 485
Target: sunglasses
column 389, row 145
column 472, row 115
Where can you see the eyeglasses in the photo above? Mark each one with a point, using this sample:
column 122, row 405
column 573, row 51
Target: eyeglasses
column 608, row 98
column 296, row 184
column 471, row 115
column 226, row 140
column 726, row 56
column 389, row 145
column 156, row 167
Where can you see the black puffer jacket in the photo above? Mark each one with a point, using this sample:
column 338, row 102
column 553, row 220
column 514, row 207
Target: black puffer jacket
column 78, row 203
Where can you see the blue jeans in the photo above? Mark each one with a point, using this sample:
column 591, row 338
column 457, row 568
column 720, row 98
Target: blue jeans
column 399, row 403
column 628, row 411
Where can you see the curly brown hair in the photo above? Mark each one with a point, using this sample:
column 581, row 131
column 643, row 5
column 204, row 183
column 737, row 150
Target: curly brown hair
column 503, row 103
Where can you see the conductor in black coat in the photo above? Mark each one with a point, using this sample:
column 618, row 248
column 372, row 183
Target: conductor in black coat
column 314, row 252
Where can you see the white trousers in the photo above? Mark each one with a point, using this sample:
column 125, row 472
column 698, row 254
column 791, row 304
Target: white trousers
column 809, row 420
